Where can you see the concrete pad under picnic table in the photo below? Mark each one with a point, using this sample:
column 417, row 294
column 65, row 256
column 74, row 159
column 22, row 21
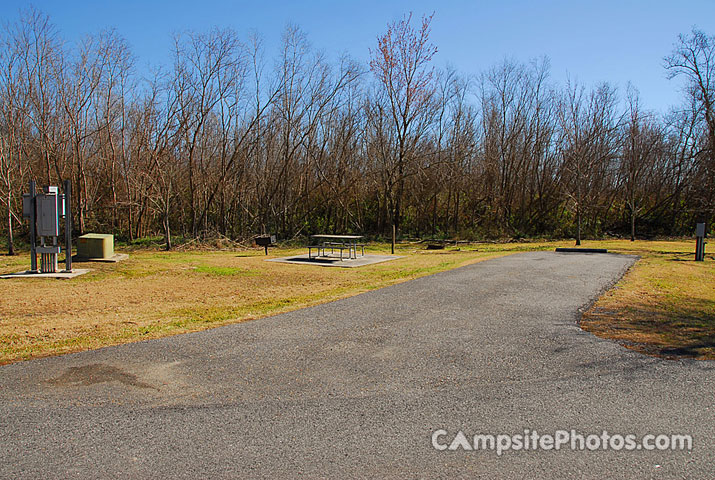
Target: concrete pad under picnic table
column 335, row 261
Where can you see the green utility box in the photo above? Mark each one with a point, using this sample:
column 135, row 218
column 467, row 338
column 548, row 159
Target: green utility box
column 95, row 245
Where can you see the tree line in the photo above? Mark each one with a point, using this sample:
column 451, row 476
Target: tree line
column 228, row 142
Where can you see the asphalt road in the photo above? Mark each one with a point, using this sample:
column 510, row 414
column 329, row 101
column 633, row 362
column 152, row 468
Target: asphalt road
column 356, row 388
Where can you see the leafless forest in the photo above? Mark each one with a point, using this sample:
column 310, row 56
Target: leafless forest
column 228, row 140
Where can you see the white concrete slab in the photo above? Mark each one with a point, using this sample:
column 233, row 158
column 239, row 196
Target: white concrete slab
column 335, row 262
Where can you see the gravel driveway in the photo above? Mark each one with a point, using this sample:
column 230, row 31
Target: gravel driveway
column 357, row 388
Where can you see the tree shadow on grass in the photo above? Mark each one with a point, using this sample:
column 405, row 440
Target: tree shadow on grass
column 690, row 257
column 687, row 331
column 692, row 351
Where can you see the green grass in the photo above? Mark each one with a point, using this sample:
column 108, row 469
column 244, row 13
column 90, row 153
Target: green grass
column 225, row 271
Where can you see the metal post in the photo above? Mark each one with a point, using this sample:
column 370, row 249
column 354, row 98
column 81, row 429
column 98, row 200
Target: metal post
column 68, row 226
column 700, row 242
column 33, row 226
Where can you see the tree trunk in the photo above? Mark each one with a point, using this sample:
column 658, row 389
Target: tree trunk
column 578, row 225
column 578, row 206
column 434, row 215
column 398, row 207
column 10, row 240
column 167, row 230
column 393, row 238
column 400, row 193
column 456, row 213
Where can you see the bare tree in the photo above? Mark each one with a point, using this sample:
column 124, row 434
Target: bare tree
column 41, row 56
column 589, row 144
column 12, row 126
column 204, row 80
column 401, row 63
column 113, row 96
column 221, row 144
column 694, row 58
column 642, row 140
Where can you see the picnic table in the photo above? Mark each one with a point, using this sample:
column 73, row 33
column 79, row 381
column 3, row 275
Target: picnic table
column 336, row 242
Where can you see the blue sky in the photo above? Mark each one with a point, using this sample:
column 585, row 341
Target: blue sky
column 589, row 41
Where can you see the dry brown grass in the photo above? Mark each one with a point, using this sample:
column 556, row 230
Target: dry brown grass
column 155, row 294
column 663, row 306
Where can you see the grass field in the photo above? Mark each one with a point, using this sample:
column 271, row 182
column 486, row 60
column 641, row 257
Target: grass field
column 664, row 305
